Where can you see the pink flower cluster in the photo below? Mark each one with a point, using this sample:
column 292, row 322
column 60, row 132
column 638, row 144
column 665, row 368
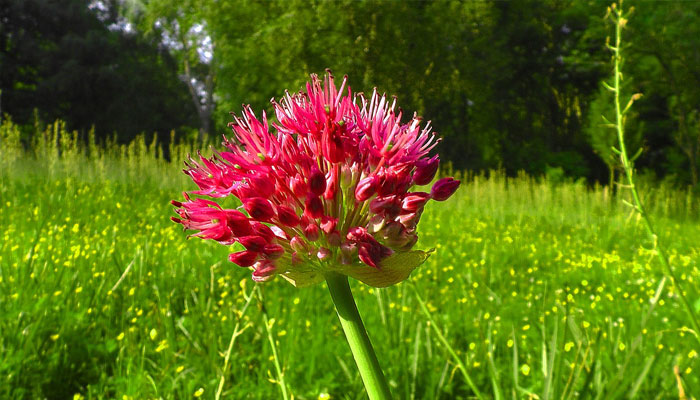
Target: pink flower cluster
column 333, row 186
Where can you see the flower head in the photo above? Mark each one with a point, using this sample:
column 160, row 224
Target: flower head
column 332, row 189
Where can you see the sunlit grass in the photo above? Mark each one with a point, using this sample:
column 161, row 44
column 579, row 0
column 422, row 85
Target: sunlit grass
column 541, row 288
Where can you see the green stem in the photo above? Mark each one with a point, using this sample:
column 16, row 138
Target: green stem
column 355, row 333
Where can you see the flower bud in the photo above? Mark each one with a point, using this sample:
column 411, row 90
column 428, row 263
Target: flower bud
column 298, row 245
column 410, row 220
column 348, row 251
column 333, row 147
column 358, row 234
column 314, row 207
column 273, row 251
column 244, row 192
column 253, row 243
column 376, row 223
column 425, row 170
column 264, row 271
column 263, row 230
column 334, row 238
column 444, row 188
column 259, row 208
column 366, row 188
column 387, row 184
column 243, row 258
column 317, row 182
column 238, row 223
column 279, row 233
column 332, row 185
column 401, row 169
column 372, row 253
column 412, row 240
column 328, row 224
column 387, row 204
column 311, row 232
column 287, row 216
column 414, row 201
column 299, row 187
column 262, row 187
column 323, row 253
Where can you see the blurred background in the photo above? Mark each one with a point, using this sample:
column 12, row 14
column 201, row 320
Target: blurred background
column 510, row 85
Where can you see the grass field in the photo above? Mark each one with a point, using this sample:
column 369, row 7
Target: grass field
column 543, row 289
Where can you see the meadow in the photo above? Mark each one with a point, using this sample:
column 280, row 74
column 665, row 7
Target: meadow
column 544, row 290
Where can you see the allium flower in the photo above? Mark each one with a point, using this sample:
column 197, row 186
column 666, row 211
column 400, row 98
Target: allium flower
column 329, row 187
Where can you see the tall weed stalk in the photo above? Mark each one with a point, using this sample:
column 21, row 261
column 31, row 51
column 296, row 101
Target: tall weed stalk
column 620, row 18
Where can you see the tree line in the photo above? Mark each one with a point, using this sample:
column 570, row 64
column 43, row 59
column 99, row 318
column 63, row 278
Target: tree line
column 514, row 85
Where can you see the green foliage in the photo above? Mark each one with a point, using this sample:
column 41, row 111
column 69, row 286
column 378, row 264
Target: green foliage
column 538, row 287
column 664, row 57
column 81, row 66
column 512, row 85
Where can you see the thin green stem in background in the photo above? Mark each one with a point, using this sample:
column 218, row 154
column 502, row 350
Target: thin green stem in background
column 620, row 19
column 268, row 328
column 237, row 330
column 449, row 348
column 360, row 345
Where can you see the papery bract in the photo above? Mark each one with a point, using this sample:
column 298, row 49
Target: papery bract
column 325, row 188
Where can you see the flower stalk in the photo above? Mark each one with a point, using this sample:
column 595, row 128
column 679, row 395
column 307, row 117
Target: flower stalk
column 356, row 334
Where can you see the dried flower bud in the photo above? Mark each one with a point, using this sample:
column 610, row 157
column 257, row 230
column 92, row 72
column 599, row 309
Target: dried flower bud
column 376, row 223
column 410, row 220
